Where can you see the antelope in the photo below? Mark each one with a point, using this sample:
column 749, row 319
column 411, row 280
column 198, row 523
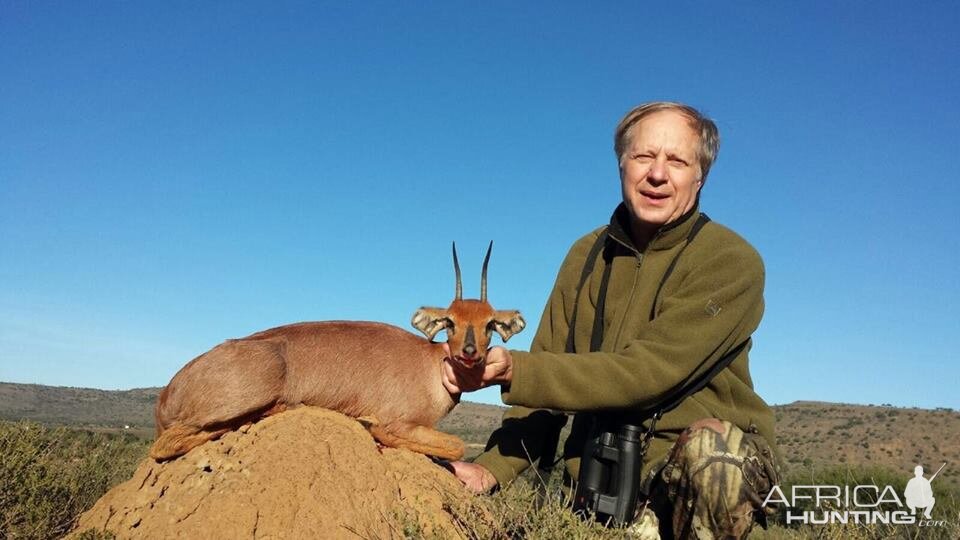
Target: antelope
column 383, row 375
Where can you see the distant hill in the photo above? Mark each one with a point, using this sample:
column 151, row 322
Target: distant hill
column 82, row 407
column 810, row 434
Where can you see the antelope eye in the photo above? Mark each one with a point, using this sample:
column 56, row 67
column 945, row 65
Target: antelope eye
column 491, row 326
column 451, row 328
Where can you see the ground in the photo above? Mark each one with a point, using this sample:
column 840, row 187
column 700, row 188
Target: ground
column 303, row 473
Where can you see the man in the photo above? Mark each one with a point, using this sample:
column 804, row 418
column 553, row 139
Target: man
column 681, row 294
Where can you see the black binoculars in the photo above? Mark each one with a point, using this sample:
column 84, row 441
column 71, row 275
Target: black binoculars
column 609, row 484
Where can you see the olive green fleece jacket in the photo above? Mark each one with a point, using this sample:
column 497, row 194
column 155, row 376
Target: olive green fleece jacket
column 712, row 302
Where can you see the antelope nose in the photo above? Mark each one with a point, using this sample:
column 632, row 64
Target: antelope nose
column 469, row 350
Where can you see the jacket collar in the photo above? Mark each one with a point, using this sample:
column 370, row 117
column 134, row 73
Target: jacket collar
column 667, row 237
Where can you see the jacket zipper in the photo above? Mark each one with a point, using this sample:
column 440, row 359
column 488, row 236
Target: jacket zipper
column 633, row 287
column 626, row 309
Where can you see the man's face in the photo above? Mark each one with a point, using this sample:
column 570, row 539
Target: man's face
column 659, row 171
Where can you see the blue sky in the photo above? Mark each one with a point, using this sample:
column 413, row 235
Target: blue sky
column 175, row 174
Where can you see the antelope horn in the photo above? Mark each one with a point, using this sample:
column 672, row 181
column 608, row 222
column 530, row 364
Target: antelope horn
column 456, row 268
column 483, row 276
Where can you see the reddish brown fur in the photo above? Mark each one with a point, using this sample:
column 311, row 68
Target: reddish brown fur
column 357, row 368
column 470, row 311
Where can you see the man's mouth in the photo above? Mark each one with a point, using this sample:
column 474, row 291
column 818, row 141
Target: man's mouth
column 654, row 197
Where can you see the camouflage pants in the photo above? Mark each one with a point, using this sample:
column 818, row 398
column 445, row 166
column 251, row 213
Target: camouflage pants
column 712, row 486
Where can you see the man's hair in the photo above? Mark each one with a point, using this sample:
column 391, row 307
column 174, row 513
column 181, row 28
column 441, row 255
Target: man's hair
column 709, row 136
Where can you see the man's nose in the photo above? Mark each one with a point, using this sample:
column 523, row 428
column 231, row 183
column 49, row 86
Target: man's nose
column 658, row 170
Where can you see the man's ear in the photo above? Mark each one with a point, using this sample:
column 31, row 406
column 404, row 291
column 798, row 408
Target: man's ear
column 430, row 321
column 507, row 323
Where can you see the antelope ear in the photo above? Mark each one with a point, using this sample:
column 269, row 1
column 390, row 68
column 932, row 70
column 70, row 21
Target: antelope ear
column 508, row 323
column 430, row 321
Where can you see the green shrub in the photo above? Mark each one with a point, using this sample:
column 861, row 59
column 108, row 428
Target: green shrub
column 49, row 476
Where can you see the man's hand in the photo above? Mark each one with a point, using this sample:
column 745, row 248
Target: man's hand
column 497, row 369
column 475, row 477
column 445, row 378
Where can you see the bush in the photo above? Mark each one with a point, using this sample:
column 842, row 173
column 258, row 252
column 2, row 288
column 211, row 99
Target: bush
column 48, row 476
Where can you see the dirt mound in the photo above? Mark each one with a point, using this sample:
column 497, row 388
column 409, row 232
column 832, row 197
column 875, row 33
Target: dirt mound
column 308, row 473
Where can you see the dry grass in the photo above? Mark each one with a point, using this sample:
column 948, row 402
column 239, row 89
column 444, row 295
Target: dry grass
column 516, row 513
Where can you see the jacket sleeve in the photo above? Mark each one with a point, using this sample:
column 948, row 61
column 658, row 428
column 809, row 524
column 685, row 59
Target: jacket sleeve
column 717, row 305
column 519, row 440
